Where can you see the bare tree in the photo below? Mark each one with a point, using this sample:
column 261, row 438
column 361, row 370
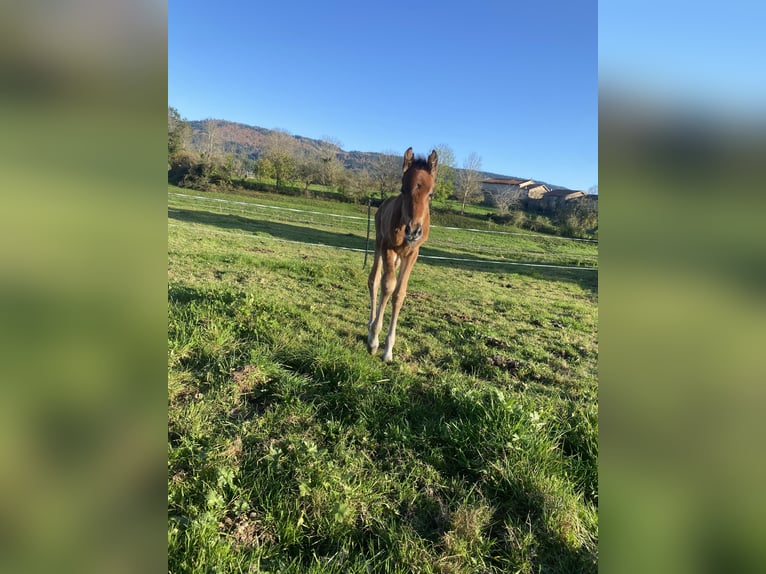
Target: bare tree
column 387, row 172
column 469, row 181
column 210, row 129
column 331, row 167
column 507, row 197
column 332, row 142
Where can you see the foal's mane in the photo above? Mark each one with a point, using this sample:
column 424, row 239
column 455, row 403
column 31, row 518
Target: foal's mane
column 420, row 163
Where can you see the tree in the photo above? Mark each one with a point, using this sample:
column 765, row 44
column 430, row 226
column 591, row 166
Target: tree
column 178, row 132
column 358, row 185
column 579, row 217
column 280, row 150
column 210, row 130
column 386, row 173
column 445, row 178
column 469, row 181
column 309, row 170
column 184, row 167
column 332, row 142
column 264, row 169
column 190, row 169
column 331, row 167
column 331, row 171
column 506, row 197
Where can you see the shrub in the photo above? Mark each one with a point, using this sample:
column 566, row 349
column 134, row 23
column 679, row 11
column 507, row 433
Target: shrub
column 192, row 170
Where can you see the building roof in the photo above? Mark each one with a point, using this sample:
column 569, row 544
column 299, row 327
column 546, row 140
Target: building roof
column 565, row 194
column 503, row 180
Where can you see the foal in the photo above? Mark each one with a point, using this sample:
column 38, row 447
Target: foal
column 401, row 227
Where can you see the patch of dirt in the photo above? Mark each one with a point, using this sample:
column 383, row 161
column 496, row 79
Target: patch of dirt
column 496, row 343
column 246, row 531
column 186, row 394
column 178, row 477
column 234, row 450
column 506, row 363
column 459, row 317
column 252, row 393
column 248, row 378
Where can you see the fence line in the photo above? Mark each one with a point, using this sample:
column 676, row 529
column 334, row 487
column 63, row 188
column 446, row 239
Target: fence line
column 266, row 206
column 246, row 203
column 462, row 259
column 449, row 243
column 494, row 251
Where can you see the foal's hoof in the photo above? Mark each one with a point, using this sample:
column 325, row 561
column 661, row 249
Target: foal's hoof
column 372, row 344
column 388, row 358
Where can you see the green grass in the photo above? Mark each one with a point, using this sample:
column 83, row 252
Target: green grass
column 291, row 449
column 311, row 220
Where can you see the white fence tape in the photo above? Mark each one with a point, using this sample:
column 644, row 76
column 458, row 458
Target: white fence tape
column 278, row 208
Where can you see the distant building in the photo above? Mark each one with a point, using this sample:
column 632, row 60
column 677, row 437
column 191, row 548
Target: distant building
column 494, row 184
column 557, row 197
column 533, row 193
column 537, row 190
column 565, row 194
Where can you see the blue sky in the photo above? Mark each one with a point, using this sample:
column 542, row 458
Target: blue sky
column 687, row 54
column 515, row 82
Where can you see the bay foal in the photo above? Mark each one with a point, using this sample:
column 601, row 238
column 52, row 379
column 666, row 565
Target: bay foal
column 401, row 227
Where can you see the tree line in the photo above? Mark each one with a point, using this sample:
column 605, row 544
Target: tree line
column 198, row 161
column 201, row 164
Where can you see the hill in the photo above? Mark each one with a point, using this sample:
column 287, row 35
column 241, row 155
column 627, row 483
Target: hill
column 248, row 143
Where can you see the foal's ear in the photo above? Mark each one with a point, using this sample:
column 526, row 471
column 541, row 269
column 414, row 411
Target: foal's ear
column 433, row 163
column 408, row 157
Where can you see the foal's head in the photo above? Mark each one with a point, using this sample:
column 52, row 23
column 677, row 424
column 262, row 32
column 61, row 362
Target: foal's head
column 417, row 190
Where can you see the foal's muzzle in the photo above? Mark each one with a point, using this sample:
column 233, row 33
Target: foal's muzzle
column 412, row 234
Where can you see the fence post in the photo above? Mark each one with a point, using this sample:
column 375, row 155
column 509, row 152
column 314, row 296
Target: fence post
column 367, row 243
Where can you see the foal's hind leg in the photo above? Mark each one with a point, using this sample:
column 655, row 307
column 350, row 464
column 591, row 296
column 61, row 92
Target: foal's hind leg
column 388, row 259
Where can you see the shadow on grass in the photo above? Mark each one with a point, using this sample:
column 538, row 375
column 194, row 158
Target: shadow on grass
column 586, row 278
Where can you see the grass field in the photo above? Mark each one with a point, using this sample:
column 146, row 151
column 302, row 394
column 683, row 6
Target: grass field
column 291, row 449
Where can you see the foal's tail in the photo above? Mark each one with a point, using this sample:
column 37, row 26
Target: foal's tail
column 367, row 243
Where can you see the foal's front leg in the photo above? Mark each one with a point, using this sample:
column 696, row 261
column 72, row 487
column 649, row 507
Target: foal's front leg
column 388, row 259
column 399, row 294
